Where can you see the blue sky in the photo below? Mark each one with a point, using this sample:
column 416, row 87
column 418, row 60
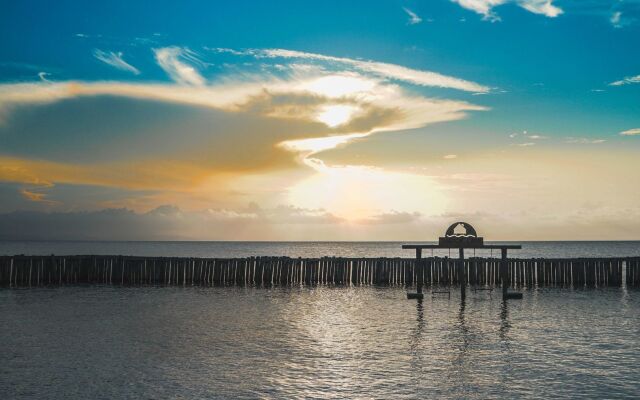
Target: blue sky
column 467, row 95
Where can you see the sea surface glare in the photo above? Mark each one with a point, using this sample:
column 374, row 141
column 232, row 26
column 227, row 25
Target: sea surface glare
column 111, row 342
column 323, row 342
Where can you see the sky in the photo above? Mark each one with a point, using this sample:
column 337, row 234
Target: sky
column 290, row 120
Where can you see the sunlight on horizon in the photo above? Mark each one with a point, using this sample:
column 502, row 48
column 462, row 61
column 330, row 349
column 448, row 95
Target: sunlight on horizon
column 358, row 193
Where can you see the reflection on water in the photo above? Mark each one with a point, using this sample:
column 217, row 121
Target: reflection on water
column 110, row 342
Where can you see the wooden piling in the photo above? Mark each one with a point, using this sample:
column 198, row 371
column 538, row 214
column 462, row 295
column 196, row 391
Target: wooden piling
column 34, row 271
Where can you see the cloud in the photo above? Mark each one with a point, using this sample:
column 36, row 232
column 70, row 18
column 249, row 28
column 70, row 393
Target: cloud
column 581, row 140
column 450, row 156
column 36, row 196
column 380, row 69
column 175, row 62
column 527, row 144
column 392, row 217
column 620, row 19
column 194, row 142
column 527, row 136
column 161, row 223
column 626, row 81
column 543, row 7
column 115, row 60
column 485, row 7
column 43, row 76
column 631, row 132
column 234, row 129
column 350, row 105
column 413, row 17
column 615, row 19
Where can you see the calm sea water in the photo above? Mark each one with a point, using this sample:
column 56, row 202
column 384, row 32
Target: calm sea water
column 305, row 249
column 323, row 342
column 327, row 342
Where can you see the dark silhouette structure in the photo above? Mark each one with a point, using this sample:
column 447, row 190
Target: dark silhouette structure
column 21, row 271
column 461, row 235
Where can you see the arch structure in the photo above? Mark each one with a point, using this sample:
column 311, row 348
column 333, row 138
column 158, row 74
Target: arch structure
column 460, row 235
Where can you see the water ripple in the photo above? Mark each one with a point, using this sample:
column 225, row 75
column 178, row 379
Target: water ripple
column 365, row 342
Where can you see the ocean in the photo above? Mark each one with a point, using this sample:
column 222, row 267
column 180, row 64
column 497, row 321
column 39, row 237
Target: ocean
column 307, row 249
column 87, row 342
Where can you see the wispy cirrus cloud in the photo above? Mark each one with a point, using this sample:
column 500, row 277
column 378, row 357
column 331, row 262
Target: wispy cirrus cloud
column 176, row 62
column 413, row 17
column 43, row 76
column 631, row 132
column 527, row 136
column 582, row 140
column 380, row 69
column 629, row 80
column 115, row 60
column 485, row 7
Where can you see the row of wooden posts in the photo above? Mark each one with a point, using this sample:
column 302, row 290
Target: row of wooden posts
column 29, row 271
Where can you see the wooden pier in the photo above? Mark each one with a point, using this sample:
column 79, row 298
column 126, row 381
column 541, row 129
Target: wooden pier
column 32, row 271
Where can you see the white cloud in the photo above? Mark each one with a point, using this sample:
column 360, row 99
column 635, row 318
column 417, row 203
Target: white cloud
column 631, row 132
column 174, row 61
column 115, row 60
column 579, row 140
column 621, row 19
column 536, row 137
column 543, row 7
column 413, row 17
column 527, row 144
column 615, row 19
column 626, row 81
column 450, row 156
column 383, row 70
column 485, row 7
column 43, row 76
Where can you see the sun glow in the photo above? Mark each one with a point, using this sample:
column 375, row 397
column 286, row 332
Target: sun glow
column 335, row 115
column 316, row 145
column 357, row 193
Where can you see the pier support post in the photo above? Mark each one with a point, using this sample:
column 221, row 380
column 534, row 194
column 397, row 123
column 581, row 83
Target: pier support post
column 419, row 270
column 504, row 273
column 462, row 276
column 418, row 295
column 504, row 269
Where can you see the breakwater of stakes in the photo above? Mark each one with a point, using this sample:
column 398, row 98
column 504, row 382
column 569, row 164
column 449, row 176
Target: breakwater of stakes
column 30, row 271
